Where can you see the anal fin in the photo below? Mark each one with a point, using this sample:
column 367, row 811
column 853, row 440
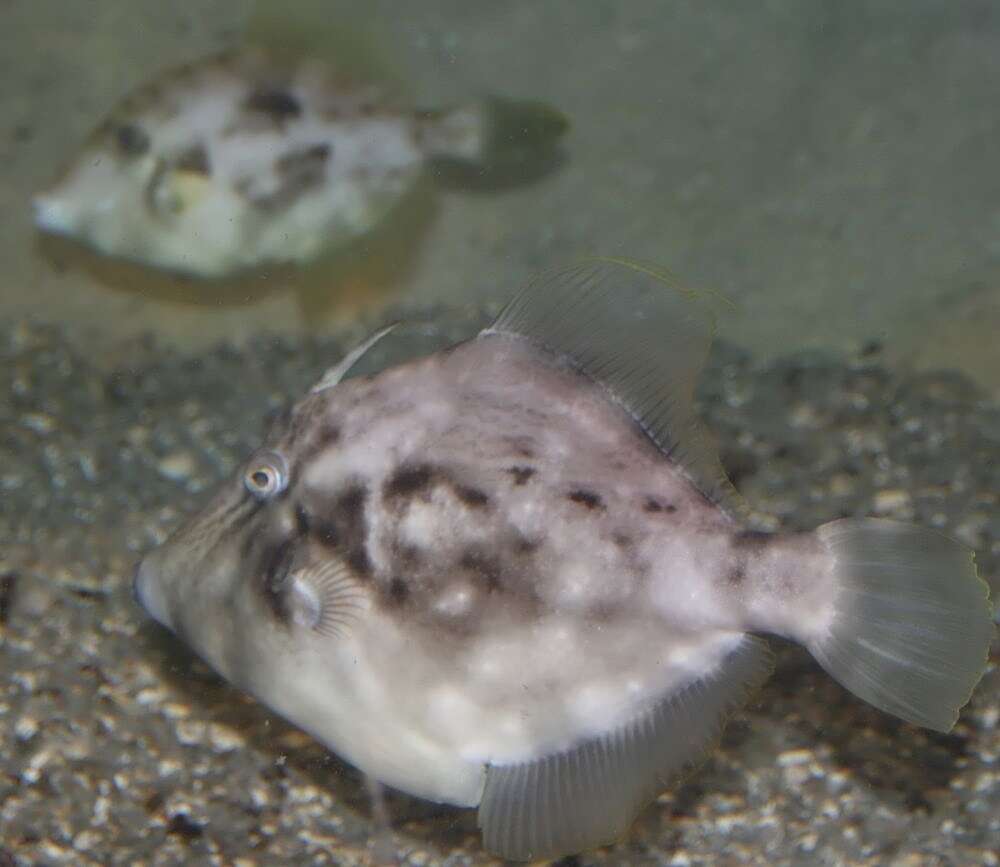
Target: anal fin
column 589, row 795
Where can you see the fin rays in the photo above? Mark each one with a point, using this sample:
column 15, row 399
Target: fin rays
column 336, row 373
column 913, row 625
column 588, row 795
column 629, row 328
column 332, row 599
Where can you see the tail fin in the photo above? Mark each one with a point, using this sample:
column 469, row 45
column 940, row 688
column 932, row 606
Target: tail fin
column 913, row 624
column 495, row 140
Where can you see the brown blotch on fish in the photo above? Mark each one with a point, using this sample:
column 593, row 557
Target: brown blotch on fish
column 305, row 160
column 472, row 497
column 398, row 592
column 585, row 498
column 275, row 564
column 751, row 540
column 302, row 521
column 521, row 446
column 483, row 567
column 524, row 546
column 194, row 159
column 350, row 515
column 131, row 139
column 407, row 480
column 737, row 575
column 344, row 527
column 300, row 171
column 622, row 540
column 521, row 474
column 326, row 533
column 653, row 505
column 409, row 557
column 275, row 102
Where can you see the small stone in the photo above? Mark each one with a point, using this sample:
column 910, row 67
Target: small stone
column 177, row 466
column 40, row 422
column 86, row 840
column 804, row 415
column 225, row 739
column 892, row 501
column 26, row 728
column 794, row 757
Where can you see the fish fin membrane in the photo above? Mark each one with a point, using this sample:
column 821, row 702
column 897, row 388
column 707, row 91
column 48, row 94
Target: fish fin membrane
column 493, row 143
column 516, row 129
column 631, row 328
column 332, row 377
column 913, row 623
column 589, row 795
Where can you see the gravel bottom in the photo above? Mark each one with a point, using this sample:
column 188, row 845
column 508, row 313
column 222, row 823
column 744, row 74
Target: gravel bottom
column 119, row 747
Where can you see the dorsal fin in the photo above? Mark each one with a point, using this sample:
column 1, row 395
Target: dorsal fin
column 632, row 329
column 335, row 374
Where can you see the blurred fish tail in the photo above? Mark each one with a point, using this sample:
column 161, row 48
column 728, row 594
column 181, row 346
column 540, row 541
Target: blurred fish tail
column 509, row 140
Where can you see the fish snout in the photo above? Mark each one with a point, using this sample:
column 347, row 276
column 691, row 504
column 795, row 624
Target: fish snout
column 148, row 591
column 53, row 214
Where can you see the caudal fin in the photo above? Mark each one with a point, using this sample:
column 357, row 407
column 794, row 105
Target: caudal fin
column 913, row 624
column 493, row 142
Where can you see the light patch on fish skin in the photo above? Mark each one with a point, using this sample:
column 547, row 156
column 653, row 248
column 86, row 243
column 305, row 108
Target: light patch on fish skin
column 790, row 588
column 682, row 564
column 420, row 526
column 456, row 600
column 306, row 607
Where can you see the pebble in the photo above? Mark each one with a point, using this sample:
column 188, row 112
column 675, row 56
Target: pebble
column 178, row 466
column 892, row 502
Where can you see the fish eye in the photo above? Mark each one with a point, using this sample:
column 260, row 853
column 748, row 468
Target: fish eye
column 131, row 139
column 266, row 476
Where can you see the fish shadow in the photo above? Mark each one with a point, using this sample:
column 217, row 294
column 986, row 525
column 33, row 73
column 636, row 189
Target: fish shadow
column 477, row 178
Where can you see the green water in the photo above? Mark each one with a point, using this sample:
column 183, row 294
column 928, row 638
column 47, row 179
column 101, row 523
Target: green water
column 830, row 167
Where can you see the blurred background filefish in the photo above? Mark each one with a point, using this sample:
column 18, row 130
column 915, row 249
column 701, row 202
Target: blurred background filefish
column 256, row 158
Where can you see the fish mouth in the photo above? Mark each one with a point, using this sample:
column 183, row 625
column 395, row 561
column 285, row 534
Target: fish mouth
column 148, row 593
column 53, row 215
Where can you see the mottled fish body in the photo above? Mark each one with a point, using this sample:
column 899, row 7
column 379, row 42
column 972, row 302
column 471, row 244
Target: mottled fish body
column 512, row 575
column 240, row 161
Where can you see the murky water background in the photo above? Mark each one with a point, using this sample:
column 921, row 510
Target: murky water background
column 830, row 167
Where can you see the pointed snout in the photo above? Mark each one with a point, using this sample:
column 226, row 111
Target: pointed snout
column 52, row 214
column 148, row 590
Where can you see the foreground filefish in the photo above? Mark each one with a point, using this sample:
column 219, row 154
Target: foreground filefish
column 241, row 161
column 512, row 574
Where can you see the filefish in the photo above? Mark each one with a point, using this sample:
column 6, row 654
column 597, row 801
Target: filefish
column 244, row 160
column 512, row 574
